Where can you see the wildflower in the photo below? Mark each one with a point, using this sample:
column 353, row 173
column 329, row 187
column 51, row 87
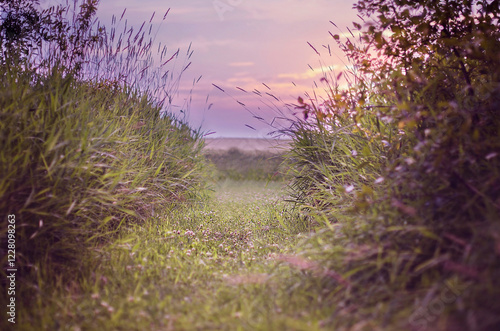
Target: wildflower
column 107, row 306
column 349, row 188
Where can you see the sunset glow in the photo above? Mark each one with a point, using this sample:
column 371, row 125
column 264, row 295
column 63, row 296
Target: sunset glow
column 257, row 46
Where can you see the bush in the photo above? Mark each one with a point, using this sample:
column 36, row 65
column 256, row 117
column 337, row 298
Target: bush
column 414, row 210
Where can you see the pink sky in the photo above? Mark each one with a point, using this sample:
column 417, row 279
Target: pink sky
column 243, row 43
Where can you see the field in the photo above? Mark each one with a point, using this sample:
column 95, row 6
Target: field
column 247, row 158
column 219, row 265
column 247, row 145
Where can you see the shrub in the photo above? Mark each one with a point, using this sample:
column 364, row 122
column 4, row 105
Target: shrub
column 417, row 211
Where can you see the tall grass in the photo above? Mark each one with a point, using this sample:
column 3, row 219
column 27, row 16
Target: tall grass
column 87, row 148
column 399, row 171
column 208, row 265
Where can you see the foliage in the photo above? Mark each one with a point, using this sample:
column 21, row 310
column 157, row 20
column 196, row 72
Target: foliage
column 41, row 39
column 83, row 155
column 418, row 208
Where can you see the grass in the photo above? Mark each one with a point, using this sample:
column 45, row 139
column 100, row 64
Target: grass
column 218, row 264
column 403, row 173
column 85, row 152
column 394, row 223
column 84, row 161
column 240, row 165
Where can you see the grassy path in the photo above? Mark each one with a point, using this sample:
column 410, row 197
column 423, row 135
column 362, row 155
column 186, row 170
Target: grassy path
column 212, row 267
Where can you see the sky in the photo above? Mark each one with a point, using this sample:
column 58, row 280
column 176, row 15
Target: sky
column 242, row 45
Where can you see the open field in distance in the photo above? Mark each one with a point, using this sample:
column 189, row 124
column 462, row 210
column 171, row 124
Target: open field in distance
column 247, row 158
column 276, row 146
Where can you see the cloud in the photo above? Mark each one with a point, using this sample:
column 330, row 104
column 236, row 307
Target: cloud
column 290, row 11
column 251, row 43
column 194, row 11
column 203, row 44
column 241, row 64
column 318, row 71
column 234, row 80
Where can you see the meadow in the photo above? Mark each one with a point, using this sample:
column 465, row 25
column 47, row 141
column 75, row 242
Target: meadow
column 214, row 265
column 247, row 159
column 383, row 213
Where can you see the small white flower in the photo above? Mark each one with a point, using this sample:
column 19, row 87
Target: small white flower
column 349, row 188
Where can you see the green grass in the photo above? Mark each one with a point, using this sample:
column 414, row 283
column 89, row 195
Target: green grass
column 212, row 265
column 78, row 162
column 240, row 165
column 85, row 152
